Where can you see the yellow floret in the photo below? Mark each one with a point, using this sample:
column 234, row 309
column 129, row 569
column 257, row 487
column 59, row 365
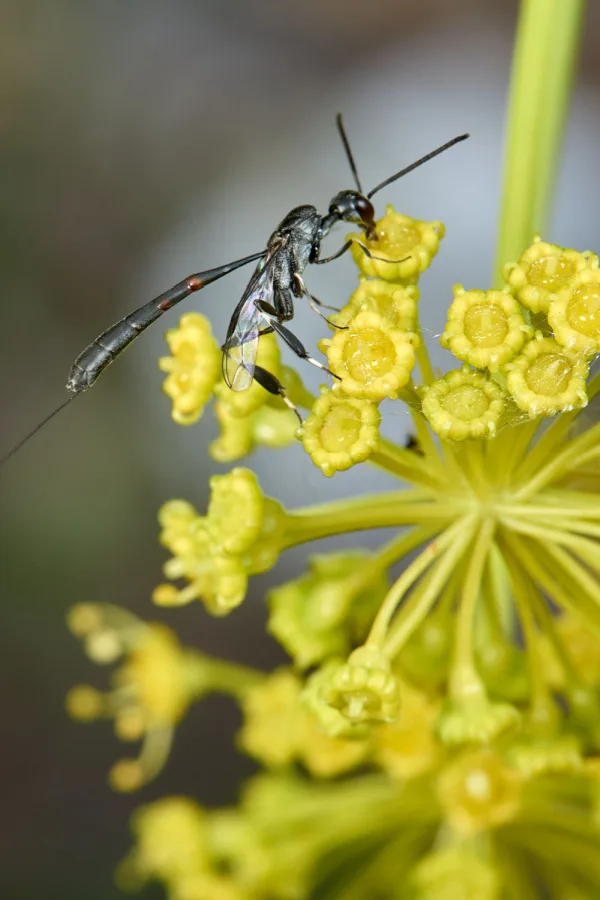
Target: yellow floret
column 543, row 271
column 396, row 303
column 235, row 510
column 406, row 246
column 340, row 432
column 485, row 328
column 464, row 404
column 364, row 689
column 193, row 368
column 546, row 379
column 372, row 359
column 477, row 792
column 574, row 315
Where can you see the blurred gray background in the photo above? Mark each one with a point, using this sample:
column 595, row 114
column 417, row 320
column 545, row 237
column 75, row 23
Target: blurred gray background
column 139, row 142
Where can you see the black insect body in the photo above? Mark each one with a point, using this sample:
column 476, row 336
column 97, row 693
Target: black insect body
column 267, row 302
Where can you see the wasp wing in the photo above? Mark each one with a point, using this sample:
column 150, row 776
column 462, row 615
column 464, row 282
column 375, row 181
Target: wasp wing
column 241, row 344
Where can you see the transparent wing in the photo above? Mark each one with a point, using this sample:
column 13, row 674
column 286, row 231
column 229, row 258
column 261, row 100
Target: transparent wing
column 241, row 345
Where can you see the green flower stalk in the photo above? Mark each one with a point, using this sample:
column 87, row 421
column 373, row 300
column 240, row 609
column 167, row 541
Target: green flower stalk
column 436, row 733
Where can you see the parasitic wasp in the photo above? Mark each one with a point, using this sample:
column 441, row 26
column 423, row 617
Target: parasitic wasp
column 267, row 302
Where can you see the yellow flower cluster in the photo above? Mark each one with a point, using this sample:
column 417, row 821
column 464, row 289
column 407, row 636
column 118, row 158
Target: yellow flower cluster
column 439, row 733
column 240, row 536
column 246, row 418
column 531, row 342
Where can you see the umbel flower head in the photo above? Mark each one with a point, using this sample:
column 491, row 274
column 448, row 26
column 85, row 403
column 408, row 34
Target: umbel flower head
column 437, row 733
column 458, row 704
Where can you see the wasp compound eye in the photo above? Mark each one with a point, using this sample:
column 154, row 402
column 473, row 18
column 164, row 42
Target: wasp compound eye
column 365, row 210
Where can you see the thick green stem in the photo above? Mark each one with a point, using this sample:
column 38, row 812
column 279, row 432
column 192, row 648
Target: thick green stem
column 543, row 66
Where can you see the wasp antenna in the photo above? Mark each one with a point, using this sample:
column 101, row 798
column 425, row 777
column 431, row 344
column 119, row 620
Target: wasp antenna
column 36, row 429
column 419, row 162
column 346, row 144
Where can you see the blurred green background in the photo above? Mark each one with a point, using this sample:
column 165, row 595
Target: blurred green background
column 141, row 141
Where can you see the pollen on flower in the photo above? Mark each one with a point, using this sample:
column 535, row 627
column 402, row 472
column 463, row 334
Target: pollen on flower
column 485, row 328
column 545, row 378
column 193, row 367
column 371, row 359
column 396, row 303
column 405, row 247
column 543, row 271
column 464, row 404
column 574, row 314
column 340, row 432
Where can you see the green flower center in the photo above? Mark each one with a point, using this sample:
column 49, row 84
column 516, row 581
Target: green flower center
column 485, row 326
column 551, row 272
column 369, row 355
column 466, row 402
column 397, row 239
column 341, row 429
column 549, row 374
column 583, row 310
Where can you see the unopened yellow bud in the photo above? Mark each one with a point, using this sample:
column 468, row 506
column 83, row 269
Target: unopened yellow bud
column 130, row 723
column 126, row 776
column 397, row 304
column 85, row 703
column 331, row 721
column 546, row 379
column 574, row 315
column 83, row 619
column 364, row 689
column 485, row 328
column 193, row 368
column 406, row 246
column 464, row 404
column 340, row 432
column 543, row 271
column 371, row 359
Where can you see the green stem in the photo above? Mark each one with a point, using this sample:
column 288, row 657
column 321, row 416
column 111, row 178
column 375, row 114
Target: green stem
column 543, row 65
column 207, row 674
column 421, row 600
column 372, row 511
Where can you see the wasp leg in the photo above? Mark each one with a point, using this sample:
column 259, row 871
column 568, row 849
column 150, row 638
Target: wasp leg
column 275, row 387
column 366, row 250
column 314, row 303
column 291, row 340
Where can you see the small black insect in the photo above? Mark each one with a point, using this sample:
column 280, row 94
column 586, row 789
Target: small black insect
column 267, row 302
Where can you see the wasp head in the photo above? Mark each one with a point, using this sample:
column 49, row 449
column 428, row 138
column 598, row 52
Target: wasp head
column 351, row 206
